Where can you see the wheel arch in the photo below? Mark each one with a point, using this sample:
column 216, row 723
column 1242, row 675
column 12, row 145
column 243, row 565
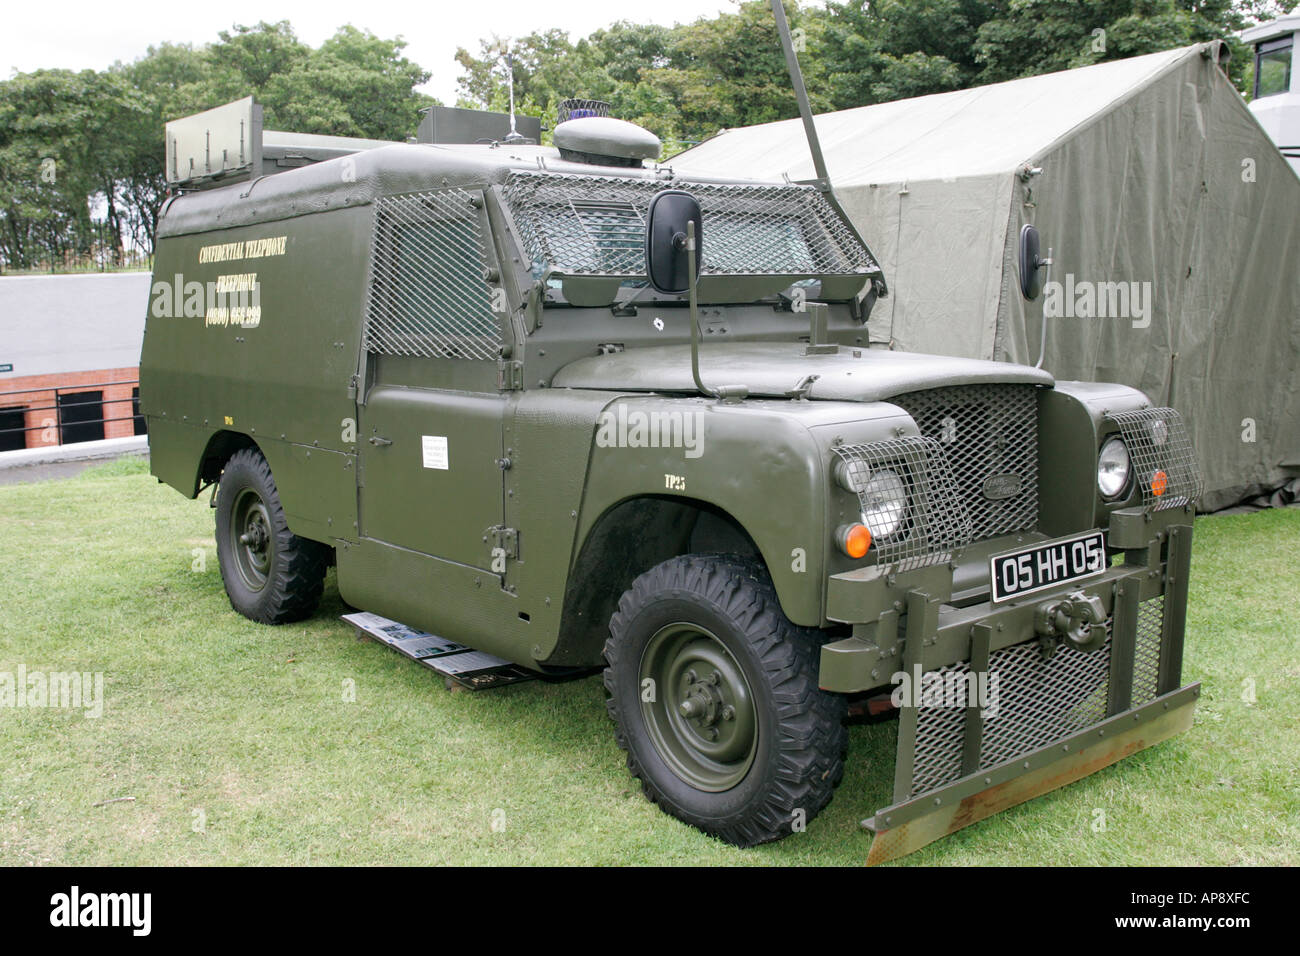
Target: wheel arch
column 220, row 447
column 630, row 537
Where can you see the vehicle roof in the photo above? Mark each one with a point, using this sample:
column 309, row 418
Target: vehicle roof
column 362, row 177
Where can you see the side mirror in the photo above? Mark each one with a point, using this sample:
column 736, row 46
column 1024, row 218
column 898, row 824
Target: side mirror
column 1030, row 262
column 666, row 264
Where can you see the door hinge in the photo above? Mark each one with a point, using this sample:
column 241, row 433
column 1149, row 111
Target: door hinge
column 510, row 374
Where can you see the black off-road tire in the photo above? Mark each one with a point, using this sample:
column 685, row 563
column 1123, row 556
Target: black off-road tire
column 797, row 757
column 274, row 576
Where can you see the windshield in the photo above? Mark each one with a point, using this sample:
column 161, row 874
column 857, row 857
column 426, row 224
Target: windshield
column 572, row 225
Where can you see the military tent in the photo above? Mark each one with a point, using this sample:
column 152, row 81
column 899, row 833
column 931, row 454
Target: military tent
column 1173, row 223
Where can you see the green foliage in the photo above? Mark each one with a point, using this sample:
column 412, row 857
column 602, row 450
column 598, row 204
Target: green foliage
column 684, row 82
column 104, row 130
column 689, row 81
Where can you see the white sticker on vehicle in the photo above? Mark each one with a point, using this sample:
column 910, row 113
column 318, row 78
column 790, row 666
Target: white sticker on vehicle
column 434, row 448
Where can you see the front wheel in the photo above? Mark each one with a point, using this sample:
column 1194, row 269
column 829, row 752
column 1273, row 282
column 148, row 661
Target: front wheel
column 272, row 576
column 714, row 695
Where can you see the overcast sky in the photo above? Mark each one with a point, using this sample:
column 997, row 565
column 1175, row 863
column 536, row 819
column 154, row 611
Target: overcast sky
column 76, row 34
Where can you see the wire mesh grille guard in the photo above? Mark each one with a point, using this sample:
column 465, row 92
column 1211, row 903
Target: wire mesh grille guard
column 1163, row 460
column 1029, row 702
column 990, row 433
column 595, row 225
column 1146, row 651
column 932, row 523
column 940, row 729
column 428, row 296
column 1039, row 701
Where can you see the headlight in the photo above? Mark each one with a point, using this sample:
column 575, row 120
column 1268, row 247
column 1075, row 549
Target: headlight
column 852, row 475
column 1113, row 467
column 884, row 503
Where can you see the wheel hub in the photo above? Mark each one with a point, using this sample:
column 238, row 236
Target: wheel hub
column 251, row 524
column 702, row 720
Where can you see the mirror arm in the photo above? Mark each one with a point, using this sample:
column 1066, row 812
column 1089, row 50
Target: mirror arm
column 1042, row 338
column 695, row 312
column 727, row 393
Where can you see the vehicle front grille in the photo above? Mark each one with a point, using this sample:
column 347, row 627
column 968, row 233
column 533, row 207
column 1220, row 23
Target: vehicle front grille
column 990, row 433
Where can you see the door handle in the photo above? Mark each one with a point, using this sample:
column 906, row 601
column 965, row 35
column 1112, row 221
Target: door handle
column 376, row 440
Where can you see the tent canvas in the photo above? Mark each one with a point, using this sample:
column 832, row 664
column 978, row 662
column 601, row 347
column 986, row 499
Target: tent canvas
column 1161, row 198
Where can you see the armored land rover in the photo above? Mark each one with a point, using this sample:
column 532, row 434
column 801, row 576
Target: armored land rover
column 566, row 407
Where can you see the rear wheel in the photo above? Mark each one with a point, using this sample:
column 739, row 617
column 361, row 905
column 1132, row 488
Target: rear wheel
column 272, row 576
column 714, row 695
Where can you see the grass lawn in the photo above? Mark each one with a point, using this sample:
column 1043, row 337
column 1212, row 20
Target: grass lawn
column 238, row 746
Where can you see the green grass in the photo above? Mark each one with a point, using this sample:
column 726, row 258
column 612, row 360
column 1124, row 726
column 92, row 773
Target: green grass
column 209, row 713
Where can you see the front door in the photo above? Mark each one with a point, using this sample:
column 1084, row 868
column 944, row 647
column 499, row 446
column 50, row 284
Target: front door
column 430, row 478
column 430, row 429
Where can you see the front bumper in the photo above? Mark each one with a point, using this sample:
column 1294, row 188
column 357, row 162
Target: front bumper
column 1044, row 713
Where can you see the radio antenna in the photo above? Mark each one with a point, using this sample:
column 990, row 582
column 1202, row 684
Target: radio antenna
column 801, row 94
column 513, row 136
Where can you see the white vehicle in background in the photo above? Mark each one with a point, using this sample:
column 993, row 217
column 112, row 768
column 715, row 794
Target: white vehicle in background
column 1276, row 95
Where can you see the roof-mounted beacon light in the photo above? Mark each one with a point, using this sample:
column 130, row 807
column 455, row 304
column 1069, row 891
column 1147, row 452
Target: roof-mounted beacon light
column 588, row 134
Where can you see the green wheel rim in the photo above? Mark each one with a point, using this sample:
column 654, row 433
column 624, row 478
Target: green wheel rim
column 698, row 707
column 252, row 539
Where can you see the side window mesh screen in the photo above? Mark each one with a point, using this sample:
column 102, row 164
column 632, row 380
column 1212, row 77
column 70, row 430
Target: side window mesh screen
column 428, row 295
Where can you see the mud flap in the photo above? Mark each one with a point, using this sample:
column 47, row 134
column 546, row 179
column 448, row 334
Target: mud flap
column 914, row 823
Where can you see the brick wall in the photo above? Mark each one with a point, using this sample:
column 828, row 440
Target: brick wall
column 38, row 396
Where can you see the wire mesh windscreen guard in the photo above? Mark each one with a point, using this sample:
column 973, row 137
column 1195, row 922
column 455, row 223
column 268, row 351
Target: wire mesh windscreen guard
column 595, row 225
column 930, row 524
column 1164, row 463
column 428, row 294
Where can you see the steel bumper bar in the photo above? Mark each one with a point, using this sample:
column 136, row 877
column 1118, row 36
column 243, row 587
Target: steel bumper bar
column 911, row 824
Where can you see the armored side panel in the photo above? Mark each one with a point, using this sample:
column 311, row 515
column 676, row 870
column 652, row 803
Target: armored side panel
column 253, row 331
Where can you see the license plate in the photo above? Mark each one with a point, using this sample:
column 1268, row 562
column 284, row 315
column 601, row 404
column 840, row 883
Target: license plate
column 1044, row 566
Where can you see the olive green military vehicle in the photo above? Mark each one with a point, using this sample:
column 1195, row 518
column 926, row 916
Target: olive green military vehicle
column 566, row 407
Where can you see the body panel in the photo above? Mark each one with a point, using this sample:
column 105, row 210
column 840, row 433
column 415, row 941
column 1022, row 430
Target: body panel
column 771, row 369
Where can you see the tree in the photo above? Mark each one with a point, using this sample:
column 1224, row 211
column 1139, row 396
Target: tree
column 102, row 133
column 1040, row 36
column 62, row 148
column 891, row 49
column 684, row 82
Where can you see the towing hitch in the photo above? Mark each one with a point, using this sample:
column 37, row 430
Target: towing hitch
column 1078, row 618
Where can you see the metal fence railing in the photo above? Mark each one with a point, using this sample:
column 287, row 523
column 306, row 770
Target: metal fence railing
column 76, row 413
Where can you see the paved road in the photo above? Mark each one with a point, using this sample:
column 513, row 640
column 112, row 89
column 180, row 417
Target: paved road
column 60, row 469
